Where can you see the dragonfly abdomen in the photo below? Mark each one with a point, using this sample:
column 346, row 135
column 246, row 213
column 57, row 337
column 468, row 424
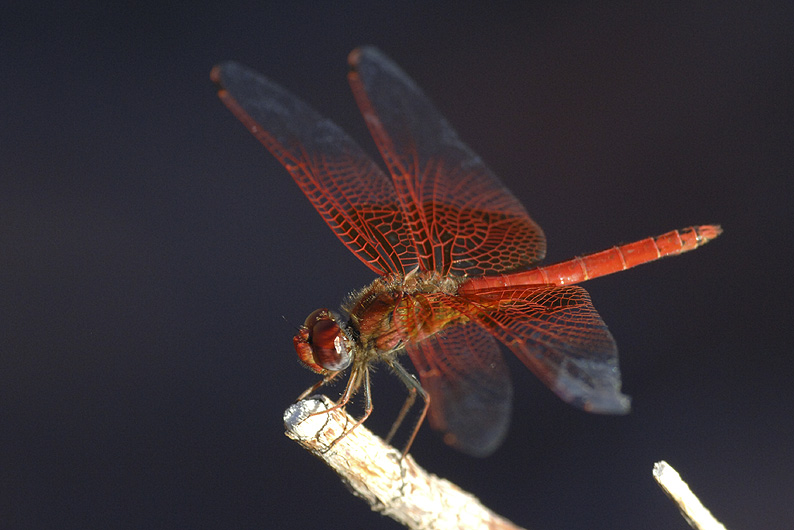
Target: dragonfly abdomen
column 591, row 266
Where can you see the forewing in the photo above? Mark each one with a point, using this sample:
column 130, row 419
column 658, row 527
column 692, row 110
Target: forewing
column 560, row 336
column 462, row 218
column 351, row 193
column 470, row 391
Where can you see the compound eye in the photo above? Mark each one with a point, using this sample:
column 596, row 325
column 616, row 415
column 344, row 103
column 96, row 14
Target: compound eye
column 322, row 345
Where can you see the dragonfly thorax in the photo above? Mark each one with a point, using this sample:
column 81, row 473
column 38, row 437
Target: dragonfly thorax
column 394, row 310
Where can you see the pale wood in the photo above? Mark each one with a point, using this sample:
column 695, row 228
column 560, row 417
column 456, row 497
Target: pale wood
column 697, row 515
column 394, row 486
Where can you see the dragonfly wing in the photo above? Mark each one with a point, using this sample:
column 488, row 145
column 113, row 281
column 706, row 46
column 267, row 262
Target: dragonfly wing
column 560, row 336
column 462, row 218
column 470, row 391
column 349, row 190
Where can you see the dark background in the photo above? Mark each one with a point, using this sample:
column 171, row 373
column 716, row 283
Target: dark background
column 149, row 247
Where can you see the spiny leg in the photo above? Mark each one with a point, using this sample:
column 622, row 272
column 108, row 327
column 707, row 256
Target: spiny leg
column 414, row 388
column 407, row 404
column 350, row 389
column 358, row 377
column 322, row 382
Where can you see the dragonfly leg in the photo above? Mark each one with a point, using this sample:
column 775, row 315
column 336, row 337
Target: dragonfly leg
column 358, row 378
column 322, row 382
column 414, row 389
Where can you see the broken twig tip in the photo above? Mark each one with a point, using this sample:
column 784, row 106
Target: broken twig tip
column 690, row 506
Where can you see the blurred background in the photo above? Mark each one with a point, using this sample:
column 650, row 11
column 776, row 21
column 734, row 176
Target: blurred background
column 150, row 246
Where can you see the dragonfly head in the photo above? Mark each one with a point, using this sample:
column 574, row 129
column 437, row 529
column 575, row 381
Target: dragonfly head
column 322, row 344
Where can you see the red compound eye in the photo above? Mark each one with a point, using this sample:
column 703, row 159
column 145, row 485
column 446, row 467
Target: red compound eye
column 322, row 345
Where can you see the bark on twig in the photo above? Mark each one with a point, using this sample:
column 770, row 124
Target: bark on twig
column 374, row 471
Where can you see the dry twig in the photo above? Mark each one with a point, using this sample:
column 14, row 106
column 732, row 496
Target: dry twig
column 691, row 508
column 375, row 472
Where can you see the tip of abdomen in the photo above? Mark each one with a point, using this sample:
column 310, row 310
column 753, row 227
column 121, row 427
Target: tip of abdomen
column 706, row 233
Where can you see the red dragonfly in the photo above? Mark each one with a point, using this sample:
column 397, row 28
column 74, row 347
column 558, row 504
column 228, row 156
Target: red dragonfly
column 452, row 247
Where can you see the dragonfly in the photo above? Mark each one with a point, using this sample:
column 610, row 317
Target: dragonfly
column 456, row 256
